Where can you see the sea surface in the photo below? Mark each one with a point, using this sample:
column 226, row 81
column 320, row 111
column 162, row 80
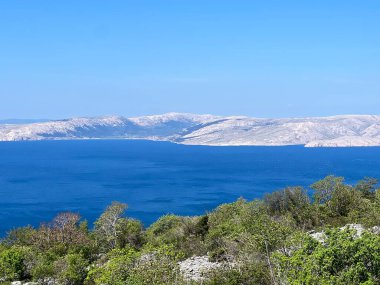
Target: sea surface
column 42, row 178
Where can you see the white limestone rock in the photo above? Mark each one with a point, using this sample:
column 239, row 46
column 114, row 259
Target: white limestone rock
column 197, row 267
column 318, row 236
column 358, row 228
column 375, row 230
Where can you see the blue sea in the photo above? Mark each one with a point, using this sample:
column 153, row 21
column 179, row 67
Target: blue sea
column 42, row 178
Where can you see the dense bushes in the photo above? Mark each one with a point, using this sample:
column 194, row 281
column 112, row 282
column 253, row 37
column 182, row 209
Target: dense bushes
column 262, row 242
column 12, row 263
column 294, row 201
column 341, row 259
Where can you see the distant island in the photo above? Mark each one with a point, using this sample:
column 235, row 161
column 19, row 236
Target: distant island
column 193, row 129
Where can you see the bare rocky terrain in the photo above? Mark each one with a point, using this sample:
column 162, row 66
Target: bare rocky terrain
column 192, row 129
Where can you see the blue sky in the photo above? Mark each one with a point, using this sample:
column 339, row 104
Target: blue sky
column 258, row 58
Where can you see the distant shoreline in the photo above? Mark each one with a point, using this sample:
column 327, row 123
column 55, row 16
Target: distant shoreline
column 190, row 145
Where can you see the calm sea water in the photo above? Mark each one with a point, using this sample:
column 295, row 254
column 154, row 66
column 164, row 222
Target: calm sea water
column 40, row 179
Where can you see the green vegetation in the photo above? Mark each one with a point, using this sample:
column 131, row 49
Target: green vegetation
column 264, row 241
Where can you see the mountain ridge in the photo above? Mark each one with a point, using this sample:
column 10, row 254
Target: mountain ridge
column 194, row 129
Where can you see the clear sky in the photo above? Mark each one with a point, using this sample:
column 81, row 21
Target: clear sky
column 238, row 57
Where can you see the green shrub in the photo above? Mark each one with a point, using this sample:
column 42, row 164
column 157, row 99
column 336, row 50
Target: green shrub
column 367, row 187
column 116, row 268
column 166, row 230
column 157, row 266
column 336, row 201
column 225, row 230
column 22, row 236
column 130, row 232
column 248, row 274
column 12, row 263
column 71, row 269
column 43, row 269
column 239, row 227
column 294, row 201
column 186, row 234
column 342, row 259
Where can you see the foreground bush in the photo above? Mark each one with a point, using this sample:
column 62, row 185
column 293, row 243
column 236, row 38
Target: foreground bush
column 12, row 263
column 250, row 242
column 343, row 258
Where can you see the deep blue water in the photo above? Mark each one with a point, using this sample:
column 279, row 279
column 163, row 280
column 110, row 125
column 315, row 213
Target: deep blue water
column 40, row 179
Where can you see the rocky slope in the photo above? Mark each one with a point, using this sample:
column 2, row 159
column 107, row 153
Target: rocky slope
column 335, row 131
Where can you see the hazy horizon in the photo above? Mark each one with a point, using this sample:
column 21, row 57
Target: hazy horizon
column 32, row 120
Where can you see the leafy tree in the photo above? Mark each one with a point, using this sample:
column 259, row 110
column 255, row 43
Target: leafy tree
column 367, row 211
column 107, row 227
column 225, row 230
column 63, row 233
column 292, row 200
column 367, row 187
column 324, row 189
column 22, row 236
column 335, row 200
column 343, row 199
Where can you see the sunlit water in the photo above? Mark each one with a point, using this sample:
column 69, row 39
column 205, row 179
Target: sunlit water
column 40, row 179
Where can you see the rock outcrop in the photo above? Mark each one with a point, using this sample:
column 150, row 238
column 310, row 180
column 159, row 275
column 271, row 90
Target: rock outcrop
column 358, row 229
column 197, row 267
